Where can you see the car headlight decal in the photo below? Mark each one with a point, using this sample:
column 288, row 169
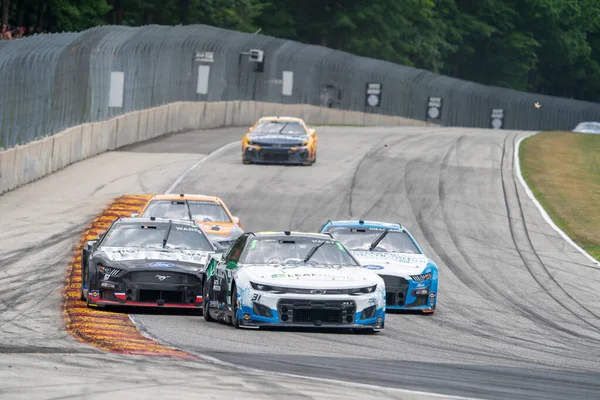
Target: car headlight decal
column 108, row 271
column 421, row 277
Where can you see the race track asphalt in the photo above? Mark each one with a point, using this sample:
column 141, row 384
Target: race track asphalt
column 518, row 307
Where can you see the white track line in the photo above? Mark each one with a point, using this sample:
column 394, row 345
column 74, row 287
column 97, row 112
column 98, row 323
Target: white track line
column 214, row 153
column 357, row 385
column 541, row 209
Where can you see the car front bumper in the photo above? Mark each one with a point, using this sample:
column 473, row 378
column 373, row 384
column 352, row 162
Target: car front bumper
column 406, row 294
column 276, row 155
column 312, row 311
column 136, row 288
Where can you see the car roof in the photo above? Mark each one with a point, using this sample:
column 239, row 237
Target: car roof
column 268, row 234
column 183, row 196
column 368, row 224
column 278, row 118
column 153, row 220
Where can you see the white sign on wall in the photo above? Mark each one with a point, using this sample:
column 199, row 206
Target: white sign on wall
column 205, row 56
column 117, row 85
column 288, row 83
column 373, row 94
column 202, row 84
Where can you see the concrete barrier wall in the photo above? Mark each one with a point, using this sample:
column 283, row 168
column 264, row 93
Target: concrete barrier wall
column 34, row 160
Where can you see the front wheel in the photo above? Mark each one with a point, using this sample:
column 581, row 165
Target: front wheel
column 206, row 302
column 234, row 307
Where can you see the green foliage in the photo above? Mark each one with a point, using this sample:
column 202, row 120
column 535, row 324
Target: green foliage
column 545, row 46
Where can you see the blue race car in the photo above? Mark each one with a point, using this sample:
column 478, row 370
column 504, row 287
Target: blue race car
column 411, row 278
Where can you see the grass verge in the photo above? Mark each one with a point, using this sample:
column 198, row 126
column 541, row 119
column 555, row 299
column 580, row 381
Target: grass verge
column 563, row 171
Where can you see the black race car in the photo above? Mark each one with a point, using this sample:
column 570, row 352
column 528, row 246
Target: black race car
column 146, row 262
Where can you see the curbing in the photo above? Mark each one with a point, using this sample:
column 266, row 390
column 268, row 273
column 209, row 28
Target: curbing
column 36, row 159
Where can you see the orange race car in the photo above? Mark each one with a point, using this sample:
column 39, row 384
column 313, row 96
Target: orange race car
column 281, row 140
column 209, row 212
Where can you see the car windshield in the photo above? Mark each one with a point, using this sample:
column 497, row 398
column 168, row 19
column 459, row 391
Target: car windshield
column 205, row 211
column 283, row 127
column 152, row 236
column 294, row 250
column 208, row 211
column 361, row 239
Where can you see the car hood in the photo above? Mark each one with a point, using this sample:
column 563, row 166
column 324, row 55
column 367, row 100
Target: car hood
column 277, row 138
column 156, row 257
column 219, row 229
column 303, row 276
column 400, row 264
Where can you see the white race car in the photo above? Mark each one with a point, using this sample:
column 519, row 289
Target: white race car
column 292, row 279
column 411, row 278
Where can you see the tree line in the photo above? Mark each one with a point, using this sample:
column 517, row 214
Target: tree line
column 543, row 46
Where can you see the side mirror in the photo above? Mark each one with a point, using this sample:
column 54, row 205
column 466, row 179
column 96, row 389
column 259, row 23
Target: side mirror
column 237, row 221
column 134, row 215
column 91, row 243
column 251, row 128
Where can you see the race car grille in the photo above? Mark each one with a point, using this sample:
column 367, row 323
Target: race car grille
column 395, row 290
column 167, row 296
column 162, row 277
column 316, row 312
column 275, row 155
column 277, row 145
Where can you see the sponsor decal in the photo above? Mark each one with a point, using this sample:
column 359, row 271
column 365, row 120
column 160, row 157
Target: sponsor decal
column 253, row 245
column 161, row 277
column 162, row 264
column 340, row 247
column 95, row 293
column 372, row 300
column 396, row 257
column 278, row 276
column 186, row 228
column 374, row 267
column 296, row 275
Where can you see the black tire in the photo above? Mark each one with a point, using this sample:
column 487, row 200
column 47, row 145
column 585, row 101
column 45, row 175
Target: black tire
column 81, row 296
column 89, row 282
column 234, row 307
column 206, row 301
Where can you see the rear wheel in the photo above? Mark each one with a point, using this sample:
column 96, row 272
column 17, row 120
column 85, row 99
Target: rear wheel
column 206, row 302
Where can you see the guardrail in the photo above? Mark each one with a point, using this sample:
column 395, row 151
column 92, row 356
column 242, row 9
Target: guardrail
column 51, row 82
column 26, row 163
